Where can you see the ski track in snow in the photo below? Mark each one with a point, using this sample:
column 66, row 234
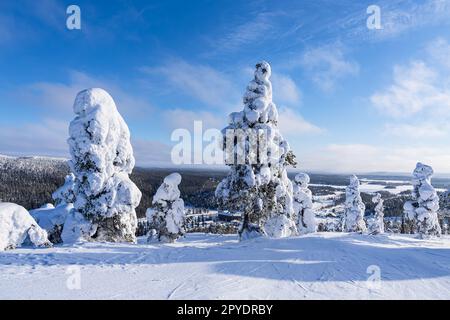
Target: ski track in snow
column 318, row 266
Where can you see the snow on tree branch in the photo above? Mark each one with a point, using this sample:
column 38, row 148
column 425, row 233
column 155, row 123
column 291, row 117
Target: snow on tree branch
column 258, row 156
column 354, row 207
column 167, row 216
column 102, row 159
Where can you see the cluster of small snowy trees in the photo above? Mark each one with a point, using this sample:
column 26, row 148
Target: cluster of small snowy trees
column 420, row 214
column 98, row 200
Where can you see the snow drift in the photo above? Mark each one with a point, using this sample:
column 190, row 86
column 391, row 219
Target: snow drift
column 17, row 225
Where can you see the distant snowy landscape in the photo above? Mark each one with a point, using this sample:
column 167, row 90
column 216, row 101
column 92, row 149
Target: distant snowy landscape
column 317, row 266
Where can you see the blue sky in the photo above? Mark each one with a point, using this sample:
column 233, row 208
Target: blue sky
column 351, row 99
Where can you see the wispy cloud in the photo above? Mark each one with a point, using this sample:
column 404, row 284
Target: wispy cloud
column 182, row 118
column 47, row 137
column 285, row 90
column 327, row 65
column 58, row 97
column 416, row 88
column 293, row 124
column 439, row 51
column 398, row 17
column 209, row 86
column 419, row 96
column 417, row 130
column 254, row 30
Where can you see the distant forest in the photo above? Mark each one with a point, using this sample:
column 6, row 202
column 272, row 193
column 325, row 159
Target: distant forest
column 30, row 183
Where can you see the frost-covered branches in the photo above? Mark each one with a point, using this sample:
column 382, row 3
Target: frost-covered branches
column 422, row 211
column 257, row 154
column 354, row 207
column 303, row 206
column 102, row 159
column 167, row 216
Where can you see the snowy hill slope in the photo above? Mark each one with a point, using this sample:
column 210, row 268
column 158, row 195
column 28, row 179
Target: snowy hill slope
column 319, row 266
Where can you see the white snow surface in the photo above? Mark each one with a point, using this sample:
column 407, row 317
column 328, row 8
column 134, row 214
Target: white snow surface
column 314, row 266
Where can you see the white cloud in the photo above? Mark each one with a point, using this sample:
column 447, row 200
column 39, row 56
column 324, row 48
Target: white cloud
column 262, row 27
column 416, row 88
column 293, row 124
column 47, row 138
column 57, row 97
column 419, row 96
column 285, row 91
column 201, row 82
column 151, row 153
column 357, row 158
column 415, row 131
column 439, row 51
column 327, row 65
column 184, row 119
column 397, row 18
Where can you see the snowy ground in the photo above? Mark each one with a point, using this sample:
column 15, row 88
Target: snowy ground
column 320, row 266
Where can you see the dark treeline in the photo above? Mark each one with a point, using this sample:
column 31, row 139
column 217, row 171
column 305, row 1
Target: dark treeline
column 30, row 183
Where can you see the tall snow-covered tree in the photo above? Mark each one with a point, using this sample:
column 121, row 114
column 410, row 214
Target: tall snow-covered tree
column 303, row 205
column 65, row 193
column 167, row 216
column 422, row 210
column 102, row 159
column 354, row 208
column 376, row 225
column 257, row 185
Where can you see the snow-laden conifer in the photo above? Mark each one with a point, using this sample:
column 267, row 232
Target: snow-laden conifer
column 376, row 225
column 167, row 216
column 102, row 159
column 354, row 208
column 303, row 205
column 65, row 193
column 422, row 210
column 257, row 185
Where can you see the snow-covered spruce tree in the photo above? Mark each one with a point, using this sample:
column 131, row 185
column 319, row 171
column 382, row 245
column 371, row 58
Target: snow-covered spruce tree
column 102, row 159
column 167, row 216
column 376, row 225
column 354, row 208
column 65, row 194
column 303, row 205
column 422, row 210
column 257, row 185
